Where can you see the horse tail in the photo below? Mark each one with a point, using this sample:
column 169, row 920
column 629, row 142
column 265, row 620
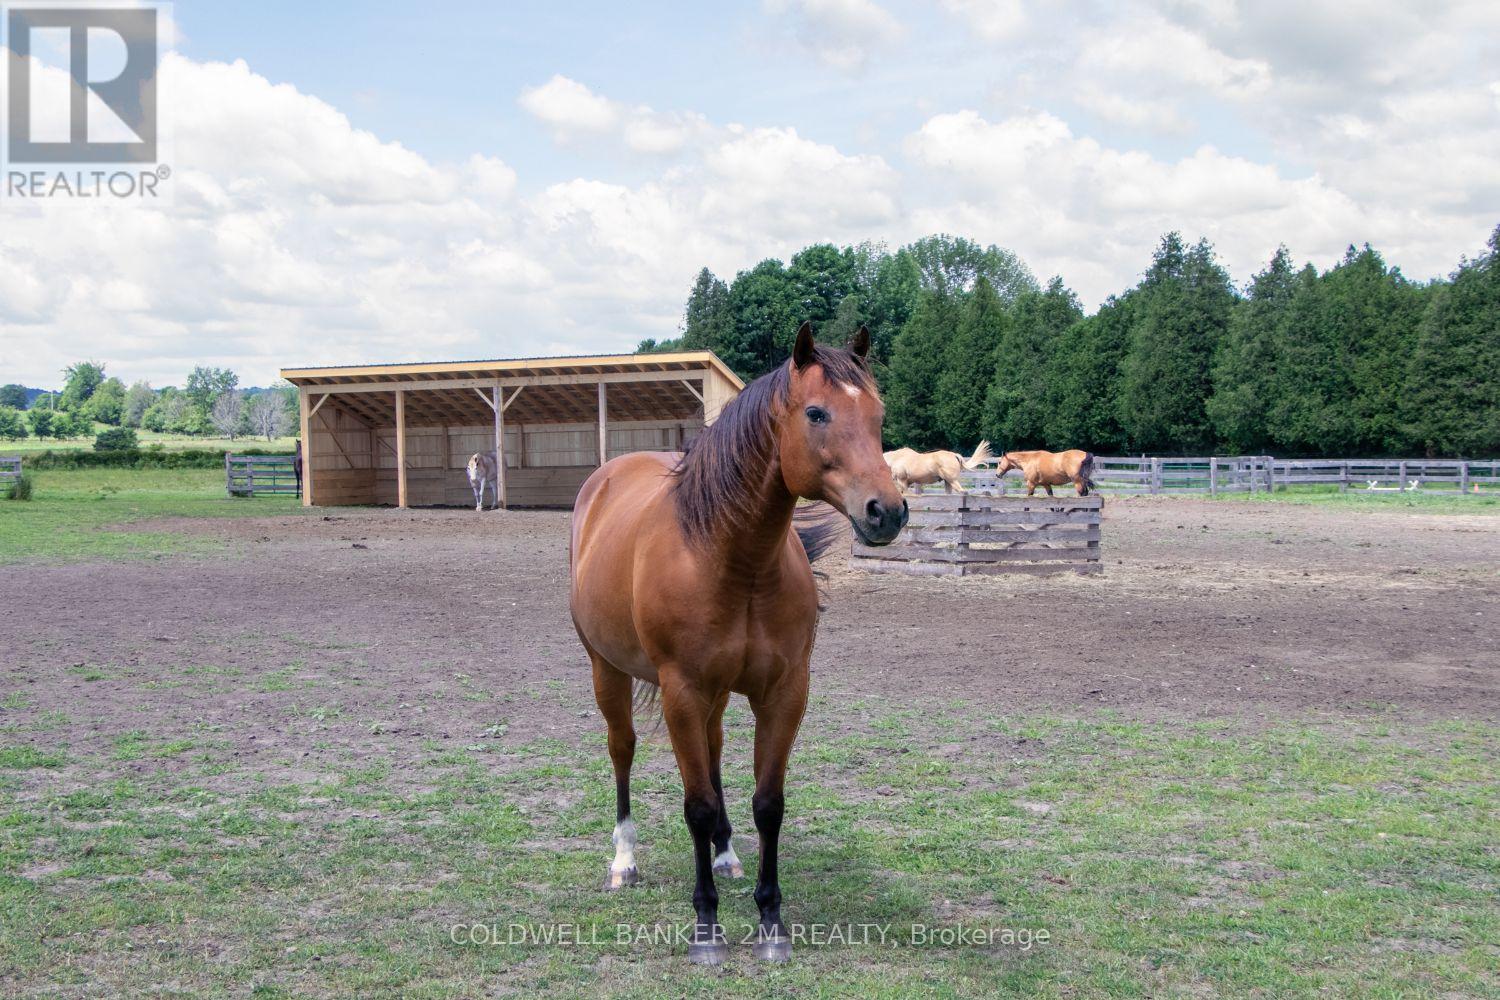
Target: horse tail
column 1086, row 471
column 818, row 526
column 645, row 703
column 982, row 456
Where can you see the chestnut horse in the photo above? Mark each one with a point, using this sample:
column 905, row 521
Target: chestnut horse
column 1049, row 469
column 687, row 574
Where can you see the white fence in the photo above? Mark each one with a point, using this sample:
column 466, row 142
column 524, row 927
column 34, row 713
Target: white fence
column 1265, row 473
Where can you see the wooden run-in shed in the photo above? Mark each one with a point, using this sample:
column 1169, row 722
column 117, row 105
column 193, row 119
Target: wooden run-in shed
column 403, row 434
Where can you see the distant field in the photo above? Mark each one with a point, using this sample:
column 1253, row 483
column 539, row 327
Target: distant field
column 171, row 442
column 87, row 514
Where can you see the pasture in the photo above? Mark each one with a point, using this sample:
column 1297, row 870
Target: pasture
column 247, row 749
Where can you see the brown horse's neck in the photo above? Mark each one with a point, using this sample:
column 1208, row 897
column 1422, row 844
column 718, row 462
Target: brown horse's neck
column 749, row 536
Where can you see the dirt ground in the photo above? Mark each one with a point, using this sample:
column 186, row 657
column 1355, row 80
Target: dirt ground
column 1234, row 611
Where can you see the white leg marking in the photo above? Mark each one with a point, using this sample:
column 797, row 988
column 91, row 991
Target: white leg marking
column 624, row 841
column 728, row 863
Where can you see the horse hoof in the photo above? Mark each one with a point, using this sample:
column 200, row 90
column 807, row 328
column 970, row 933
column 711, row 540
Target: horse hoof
column 708, row 952
column 729, row 869
column 619, row 880
column 773, row 949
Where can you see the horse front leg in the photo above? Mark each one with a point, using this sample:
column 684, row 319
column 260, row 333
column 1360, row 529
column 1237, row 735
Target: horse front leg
column 726, row 862
column 684, row 708
column 776, row 722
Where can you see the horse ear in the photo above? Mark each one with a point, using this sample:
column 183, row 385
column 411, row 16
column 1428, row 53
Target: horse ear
column 859, row 344
column 802, row 351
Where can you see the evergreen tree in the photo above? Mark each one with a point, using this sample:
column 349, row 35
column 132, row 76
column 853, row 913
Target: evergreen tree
column 1244, row 370
column 763, row 310
column 968, row 366
column 889, row 287
column 1086, row 377
column 1186, row 298
column 1024, row 393
column 911, row 379
column 1452, row 396
column 13, row 395
column 706, row 321
column 821, row 276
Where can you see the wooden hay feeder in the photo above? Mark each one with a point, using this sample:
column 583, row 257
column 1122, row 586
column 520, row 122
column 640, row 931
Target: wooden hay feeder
column 972, row 534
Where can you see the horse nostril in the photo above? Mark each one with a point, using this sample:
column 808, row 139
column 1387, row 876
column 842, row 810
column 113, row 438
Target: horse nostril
column 873, row 512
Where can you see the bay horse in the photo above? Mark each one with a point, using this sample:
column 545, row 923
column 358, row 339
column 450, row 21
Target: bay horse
column 911, row 467
column 484, row 470
column 1049, row 469
column 692, row 578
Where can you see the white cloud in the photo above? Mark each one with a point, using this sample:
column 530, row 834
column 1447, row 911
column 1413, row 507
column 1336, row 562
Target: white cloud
column 843, row 34
column 992, row 20
column 296, row 238
column 1070, row 205
column 574, row 112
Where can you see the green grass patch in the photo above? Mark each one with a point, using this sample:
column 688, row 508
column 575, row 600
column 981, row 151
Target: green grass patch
column 1364, row 500
column 89, row 513
column 1159, row 860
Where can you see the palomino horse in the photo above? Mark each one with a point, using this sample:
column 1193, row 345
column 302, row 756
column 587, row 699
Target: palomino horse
column 484, row 470
column 917, row 468
column 1049, row 469
column 687, row 574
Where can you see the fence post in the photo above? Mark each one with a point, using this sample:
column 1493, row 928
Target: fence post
column 1463, row 477
column 1213, row 482
column 228, row 475
column 1156, row 475
column 1344, row 476
column 1270, row 474
column 1401, row 478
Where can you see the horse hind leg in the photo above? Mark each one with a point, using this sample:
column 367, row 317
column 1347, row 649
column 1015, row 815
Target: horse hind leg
column 726, row 862
column 612, row 693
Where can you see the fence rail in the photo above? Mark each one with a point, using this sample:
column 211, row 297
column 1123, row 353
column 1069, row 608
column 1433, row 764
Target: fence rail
column 247, row 475
column 10, row 468
column 1265, row 473
column 975, row 534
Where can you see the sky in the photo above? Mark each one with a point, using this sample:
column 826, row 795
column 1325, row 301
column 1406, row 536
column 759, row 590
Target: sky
column 368, row 182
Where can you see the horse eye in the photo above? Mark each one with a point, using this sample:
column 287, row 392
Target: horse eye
column 817, row 415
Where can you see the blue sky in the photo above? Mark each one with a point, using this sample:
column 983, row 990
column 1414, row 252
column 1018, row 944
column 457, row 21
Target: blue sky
column 380, row 182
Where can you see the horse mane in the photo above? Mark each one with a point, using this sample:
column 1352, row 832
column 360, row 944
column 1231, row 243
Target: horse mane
column 720, row 473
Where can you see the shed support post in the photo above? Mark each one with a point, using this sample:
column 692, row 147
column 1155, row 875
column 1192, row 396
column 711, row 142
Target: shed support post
column 307, row 448
column 603, row 424
column 401, row 448
column 499, row 447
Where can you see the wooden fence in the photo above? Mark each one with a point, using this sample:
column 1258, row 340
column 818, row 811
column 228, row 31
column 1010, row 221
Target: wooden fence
column 10, row 469
column 1264, row 473
column 247, row 475
column 978, row 534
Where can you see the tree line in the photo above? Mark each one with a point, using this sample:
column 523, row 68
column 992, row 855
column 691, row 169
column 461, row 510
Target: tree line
column 210, row 403
column 1356, row 360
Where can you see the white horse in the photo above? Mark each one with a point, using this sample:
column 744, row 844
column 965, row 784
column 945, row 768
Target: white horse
column 915, row 468
column 483, row 470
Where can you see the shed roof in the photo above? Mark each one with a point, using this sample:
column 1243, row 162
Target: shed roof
column 512, row 368
column 556, row 390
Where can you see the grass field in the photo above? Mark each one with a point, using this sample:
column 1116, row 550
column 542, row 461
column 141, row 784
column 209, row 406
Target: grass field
column 1156, row 860
column 171, row 442
column 88, row 513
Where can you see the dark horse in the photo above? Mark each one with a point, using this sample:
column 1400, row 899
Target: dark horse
column 687, row 574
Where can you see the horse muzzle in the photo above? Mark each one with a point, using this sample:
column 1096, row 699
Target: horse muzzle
column 881, row 522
